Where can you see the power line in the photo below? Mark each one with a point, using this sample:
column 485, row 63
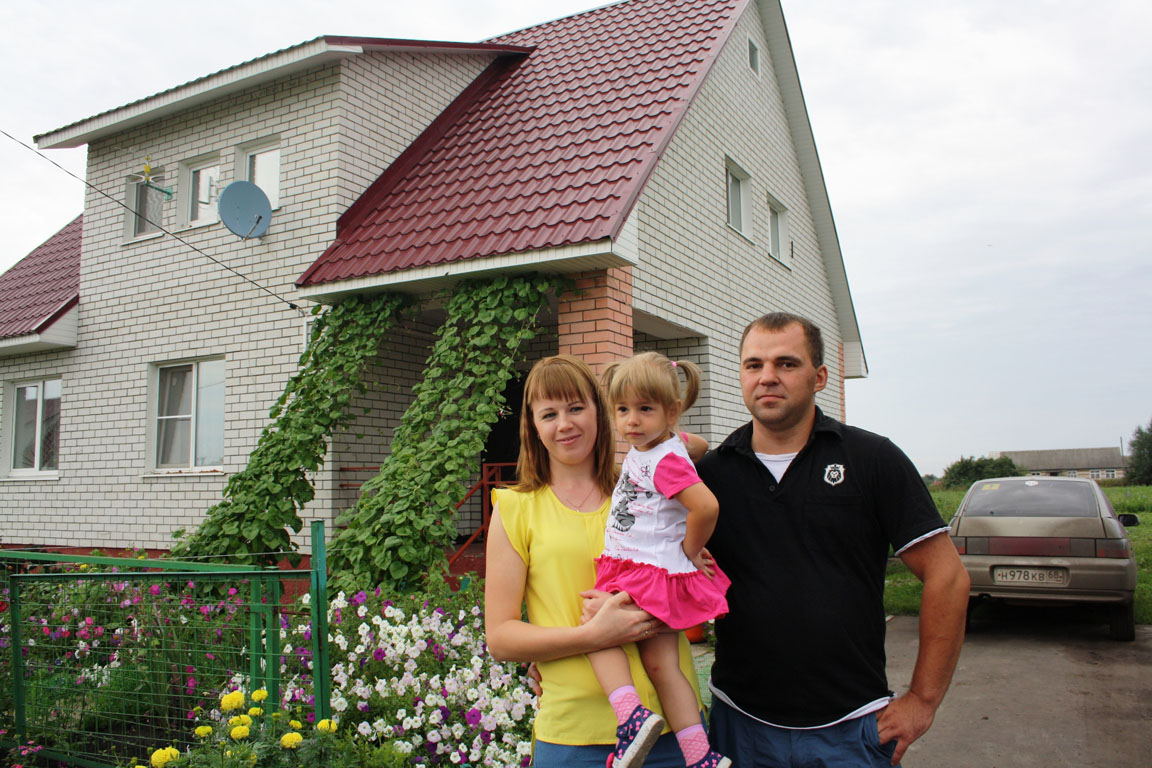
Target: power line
column 158, row 226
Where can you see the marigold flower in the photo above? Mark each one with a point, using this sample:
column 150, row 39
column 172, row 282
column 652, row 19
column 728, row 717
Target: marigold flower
column 291, row 740
column 296, row 724
column 259, row 694
column 255, row 711
column 162, row 757
column 203, row 731
column 327, row 726
column 239, row 732
column 231, row 701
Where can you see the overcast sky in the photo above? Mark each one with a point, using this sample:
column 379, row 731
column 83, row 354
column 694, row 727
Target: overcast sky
column 989, row 165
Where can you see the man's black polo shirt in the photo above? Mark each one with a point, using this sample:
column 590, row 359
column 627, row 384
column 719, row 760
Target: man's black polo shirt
column 803, row 643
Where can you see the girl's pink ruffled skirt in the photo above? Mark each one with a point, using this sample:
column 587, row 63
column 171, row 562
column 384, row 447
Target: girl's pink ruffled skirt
column 680, row 600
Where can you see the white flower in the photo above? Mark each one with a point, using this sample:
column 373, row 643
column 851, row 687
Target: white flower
column 364, row 728
column 306, row 598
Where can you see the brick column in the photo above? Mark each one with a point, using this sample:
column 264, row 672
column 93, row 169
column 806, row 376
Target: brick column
column 594, row 322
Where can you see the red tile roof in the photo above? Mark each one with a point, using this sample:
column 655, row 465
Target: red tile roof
column 39, row 288
column 546, row 149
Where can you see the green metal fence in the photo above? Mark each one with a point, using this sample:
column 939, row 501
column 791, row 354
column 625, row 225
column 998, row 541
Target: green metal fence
column 111, row 658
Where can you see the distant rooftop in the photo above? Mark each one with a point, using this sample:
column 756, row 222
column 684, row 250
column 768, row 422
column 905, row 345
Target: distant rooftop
column 1068, row 458
column 41, row 287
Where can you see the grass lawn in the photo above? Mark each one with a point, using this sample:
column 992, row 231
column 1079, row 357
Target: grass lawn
column 902, row 589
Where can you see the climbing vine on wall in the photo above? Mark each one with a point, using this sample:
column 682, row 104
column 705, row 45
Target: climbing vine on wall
column 405, row 515
column 263, row 500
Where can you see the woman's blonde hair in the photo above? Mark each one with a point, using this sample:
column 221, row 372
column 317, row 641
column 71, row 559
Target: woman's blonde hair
column 567, row 378
column 652, row 376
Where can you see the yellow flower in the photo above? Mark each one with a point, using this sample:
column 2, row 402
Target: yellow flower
column 291, row 740
column 259, row 694
column 203, row 731
column 327, row 726
column 231, row 701
column 240, row 720
column 239, row 732
column 277, row 715
column 162, row 757
column 255, row 711
column 296, row 724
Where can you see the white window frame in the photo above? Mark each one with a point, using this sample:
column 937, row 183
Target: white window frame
column 779, row 244
column 1109, row 474
column 244, row 165
column 754, row 57
column 188, row 171
column 9, row 433
column 155, row 418
column 737, row 198
column 133, row 188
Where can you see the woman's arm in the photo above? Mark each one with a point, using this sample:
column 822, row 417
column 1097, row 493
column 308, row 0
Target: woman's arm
column 696, row 445
column 511, row 639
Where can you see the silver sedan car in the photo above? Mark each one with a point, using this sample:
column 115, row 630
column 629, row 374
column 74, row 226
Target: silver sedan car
column 1044, row 540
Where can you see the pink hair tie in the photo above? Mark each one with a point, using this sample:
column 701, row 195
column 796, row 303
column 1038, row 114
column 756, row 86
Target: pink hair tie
column 674, row 364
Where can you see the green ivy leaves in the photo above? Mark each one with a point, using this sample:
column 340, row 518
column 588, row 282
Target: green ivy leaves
column 404, row 519
column 263, row 500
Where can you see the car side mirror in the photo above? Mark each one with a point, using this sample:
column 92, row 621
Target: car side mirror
column 1128, row 520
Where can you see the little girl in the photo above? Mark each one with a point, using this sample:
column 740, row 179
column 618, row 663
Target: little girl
column 661, row 517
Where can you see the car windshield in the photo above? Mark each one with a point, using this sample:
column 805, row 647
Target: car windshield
column 1031, row 498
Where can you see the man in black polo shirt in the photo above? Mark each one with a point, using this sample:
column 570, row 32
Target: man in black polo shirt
column 809, row 508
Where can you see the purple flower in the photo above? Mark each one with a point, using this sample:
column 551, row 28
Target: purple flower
column 472, row 716
column 359, row 597
column 379, row 654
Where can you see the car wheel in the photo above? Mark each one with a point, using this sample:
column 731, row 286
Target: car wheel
column 1123, row 622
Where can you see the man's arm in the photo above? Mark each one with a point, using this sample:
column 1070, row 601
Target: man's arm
column 942, row 609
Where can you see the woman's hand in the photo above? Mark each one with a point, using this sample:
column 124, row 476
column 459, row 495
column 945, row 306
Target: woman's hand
column 704, row 562
column 616, row 619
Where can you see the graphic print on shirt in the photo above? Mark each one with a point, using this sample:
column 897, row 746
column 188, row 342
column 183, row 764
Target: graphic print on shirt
column 622, row 518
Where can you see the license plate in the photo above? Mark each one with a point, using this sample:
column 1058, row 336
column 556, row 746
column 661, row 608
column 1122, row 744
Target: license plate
column 1054, row 576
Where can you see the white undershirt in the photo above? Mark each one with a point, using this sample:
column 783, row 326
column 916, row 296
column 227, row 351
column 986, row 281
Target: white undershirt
column 777, row 463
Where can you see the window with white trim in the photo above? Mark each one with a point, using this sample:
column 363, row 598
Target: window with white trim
column 777, row 229
column 1109, row 474
column 189, row 415
column 754, row 57
column 146, row 200
column 737, row 184
column 36, row 426
column 200, row 185
column 1094, row 474
column 261, row 166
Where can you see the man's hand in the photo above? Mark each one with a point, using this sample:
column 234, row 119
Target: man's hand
column 906, row 719
column 626, row 621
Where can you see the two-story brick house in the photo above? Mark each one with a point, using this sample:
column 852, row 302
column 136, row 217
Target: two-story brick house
column 660, row 153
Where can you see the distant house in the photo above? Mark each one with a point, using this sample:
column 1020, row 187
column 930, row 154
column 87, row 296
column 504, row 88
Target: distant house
column 659, row 153
column 1096, row 463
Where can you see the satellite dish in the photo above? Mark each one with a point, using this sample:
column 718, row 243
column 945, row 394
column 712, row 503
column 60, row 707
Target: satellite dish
column 244, row 209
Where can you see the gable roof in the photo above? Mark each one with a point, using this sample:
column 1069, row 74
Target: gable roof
column 548, row 150
column 1068, row 458
column 40, row 288
column 286, row 61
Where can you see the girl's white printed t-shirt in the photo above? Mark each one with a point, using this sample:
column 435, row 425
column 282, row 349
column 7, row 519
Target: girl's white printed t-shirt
column 646, row 524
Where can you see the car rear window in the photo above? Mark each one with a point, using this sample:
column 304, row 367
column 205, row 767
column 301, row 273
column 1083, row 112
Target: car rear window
column 1031, row 498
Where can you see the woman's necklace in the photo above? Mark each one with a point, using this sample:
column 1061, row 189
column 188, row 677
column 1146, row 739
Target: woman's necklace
column 579, row 507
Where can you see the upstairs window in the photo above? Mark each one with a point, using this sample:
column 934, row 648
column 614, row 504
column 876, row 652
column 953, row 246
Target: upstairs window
column 737, row 185
column 203, row 185
column 36, row 426
column 146, row 199
column 190, row 415
column 754, row 57
column 262, row 168
column 778, row 243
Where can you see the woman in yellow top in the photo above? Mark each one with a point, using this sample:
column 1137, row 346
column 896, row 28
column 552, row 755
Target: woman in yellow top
column 545, row 534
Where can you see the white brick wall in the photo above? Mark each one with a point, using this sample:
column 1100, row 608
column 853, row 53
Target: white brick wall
column 697, row 272
column 157, row 300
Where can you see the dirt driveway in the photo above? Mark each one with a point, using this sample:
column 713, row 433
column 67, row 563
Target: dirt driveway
column 1035, row 688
